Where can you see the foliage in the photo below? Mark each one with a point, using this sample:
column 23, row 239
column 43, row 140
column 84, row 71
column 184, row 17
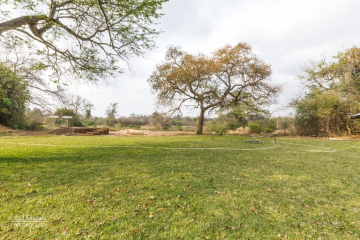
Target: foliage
column 323, row 113
column 230, row 75
column 160, row 120
column 74, row 122
column 82, row 189
column 240, row 115
column 89, row 123
column 256, row 127
column 225, row 122
column 333, row 92
column 272, row 124
column 14, row 96
column 343, row 74
column 35, row 119
column 218, row 127
column 269, row 130
column 98, row 34
column 87, row 113
column 285, row 123
column 134, row 120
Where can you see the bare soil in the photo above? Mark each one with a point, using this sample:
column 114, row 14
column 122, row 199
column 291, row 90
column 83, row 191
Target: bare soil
column 4, row 129
column 149, row 133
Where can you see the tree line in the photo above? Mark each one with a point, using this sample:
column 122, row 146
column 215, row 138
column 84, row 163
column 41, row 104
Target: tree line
column 36, row 69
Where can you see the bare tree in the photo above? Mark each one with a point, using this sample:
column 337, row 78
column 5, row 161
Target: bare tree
column 81, row 39
column 79, row 105
column 111, row 112
column 231, row 74
column 159, row 119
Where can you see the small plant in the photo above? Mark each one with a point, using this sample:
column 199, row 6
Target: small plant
column 179, row 128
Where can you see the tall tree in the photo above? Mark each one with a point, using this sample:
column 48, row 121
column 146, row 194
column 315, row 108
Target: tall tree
column 332, row 92
column 81, row 39
column 230, row 75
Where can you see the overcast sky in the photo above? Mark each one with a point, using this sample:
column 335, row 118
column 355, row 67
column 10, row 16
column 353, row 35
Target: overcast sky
column 284, row 33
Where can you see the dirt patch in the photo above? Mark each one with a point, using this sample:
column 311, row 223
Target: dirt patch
column 149, row 133
column 4, row 129
column 348, row 138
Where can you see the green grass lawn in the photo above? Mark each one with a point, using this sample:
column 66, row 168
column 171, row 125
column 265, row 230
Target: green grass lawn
column 87, row 188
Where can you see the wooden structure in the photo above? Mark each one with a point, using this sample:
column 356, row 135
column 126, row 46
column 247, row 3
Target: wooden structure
column 83, row 131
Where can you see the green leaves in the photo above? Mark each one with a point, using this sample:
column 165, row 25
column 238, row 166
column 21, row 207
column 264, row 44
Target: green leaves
column 38, row 66
column 13, row 98
column 98, row 34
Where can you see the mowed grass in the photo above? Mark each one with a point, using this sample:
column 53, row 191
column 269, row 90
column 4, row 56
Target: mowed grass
column 87, row 188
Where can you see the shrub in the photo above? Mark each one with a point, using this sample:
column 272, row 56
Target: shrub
column 272, row 125
column 256, row 127
column 218, row 128
column 323, row 112
column 179, row 128
column 35, row 120
column 90, row 123
column 269, row 130
column 232, row 120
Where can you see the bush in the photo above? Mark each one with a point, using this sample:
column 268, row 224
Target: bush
column 35, row 120
column 256, row 127
column 90, row 124
column 220, row 129
column 165, row 127
column 323, row 113
column 179, row 128
column 269, row 130
column 272, row 125
column 35, row 126
column 232, row 120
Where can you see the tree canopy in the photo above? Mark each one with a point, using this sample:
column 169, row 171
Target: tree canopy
column 81, row 39
column 342, row 74
column 229, row 75
column 333, row 92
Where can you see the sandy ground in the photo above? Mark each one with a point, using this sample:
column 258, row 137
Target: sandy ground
column 149, row 133
column 10, row 132
column 5, row 129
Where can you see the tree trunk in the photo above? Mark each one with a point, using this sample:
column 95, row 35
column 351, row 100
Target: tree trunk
column 201, row 122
